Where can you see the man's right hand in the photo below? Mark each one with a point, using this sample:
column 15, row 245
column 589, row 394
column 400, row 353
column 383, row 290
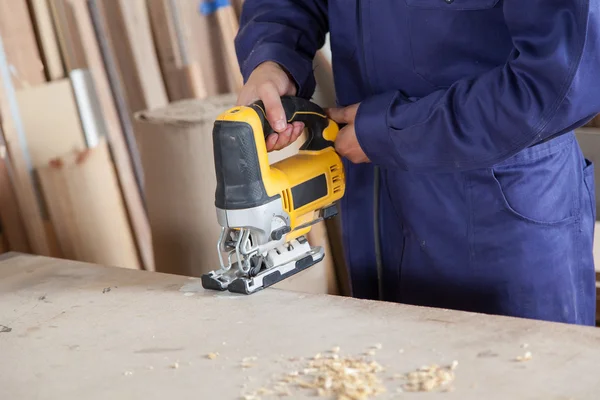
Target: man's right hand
column 268, row 82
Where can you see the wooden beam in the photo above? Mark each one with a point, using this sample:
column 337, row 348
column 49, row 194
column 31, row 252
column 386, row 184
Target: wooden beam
column 119, row 131
column 16, row 29
column 127, row 27
column 85, row 203
column 50, row 131
column 228, row 27
column 14, row 137
column 47, row 39
column 183, row 80
column 13, row 227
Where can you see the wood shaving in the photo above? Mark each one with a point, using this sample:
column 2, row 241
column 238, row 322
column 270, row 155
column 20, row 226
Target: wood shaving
column 336, row 349
column 378, row 346
column 127, row 373
column 175, row 365
column 345, row 378
column 526, row 357
column 430, row 378
column 212, row 356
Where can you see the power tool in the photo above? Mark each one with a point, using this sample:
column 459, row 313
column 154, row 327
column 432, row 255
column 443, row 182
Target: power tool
column 265, row 211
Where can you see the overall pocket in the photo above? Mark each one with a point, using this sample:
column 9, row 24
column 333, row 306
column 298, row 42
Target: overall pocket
column 541, row 184
column 590, row 185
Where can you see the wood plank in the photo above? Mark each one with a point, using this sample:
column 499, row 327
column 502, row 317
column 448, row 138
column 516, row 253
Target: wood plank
column 201, row 39
column 118, row 333
column 47, row 39
column 86, row 207
column 13, row 228
column 16, row 145
column 182, row 79
column 20, row 45
column 120, row 137
column 228, row 28
column 71, row 45
column 50, row 131
column 128, row 28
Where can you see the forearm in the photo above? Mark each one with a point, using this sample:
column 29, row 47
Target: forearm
column 288, row 32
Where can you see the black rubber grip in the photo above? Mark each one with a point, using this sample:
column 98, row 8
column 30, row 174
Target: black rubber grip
column 298, row 109
column 239, row 180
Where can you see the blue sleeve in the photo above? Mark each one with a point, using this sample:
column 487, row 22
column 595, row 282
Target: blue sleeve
column 549, row 85
column 288, row 32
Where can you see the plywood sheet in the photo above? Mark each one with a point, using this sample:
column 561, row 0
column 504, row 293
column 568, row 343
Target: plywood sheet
column 13, row 136
column 183, row 80
column 87, row 210
column 122, row 334
column 20, row 45
column 47, row 39
column 50, row 130
column 120, row 137
column 13, row 228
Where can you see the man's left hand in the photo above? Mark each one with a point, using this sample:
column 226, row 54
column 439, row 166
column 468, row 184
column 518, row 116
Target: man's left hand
column 346, row 143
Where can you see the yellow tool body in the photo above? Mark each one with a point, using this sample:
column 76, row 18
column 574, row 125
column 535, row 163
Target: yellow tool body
column 313, row 174
column 266, row 210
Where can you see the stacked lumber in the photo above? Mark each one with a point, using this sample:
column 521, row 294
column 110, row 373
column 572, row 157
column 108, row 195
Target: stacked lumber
column 105, row 112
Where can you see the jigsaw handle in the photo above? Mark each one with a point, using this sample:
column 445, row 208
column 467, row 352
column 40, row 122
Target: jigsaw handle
column 321, row 130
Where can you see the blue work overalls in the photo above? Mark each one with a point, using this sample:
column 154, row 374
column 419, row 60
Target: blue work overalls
column 467, row 108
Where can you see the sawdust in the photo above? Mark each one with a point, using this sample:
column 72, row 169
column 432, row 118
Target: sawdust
column 526, row 357
column 212, row 356
column 334, row 376
column 430, row 378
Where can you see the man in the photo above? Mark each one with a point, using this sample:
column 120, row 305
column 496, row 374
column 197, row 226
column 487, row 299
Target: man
column 466, row 109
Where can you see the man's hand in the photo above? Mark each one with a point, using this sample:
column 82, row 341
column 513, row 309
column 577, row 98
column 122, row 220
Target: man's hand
column 346, row 143
column 268, row 82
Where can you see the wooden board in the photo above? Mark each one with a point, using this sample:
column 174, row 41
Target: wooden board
column 201, row 39
column 183, row 80
column 119, row 333
column 16, row 146
column 71, row 44
column 128, row 28
column 51, row 131
column 85, row 204
column 20, row 45
column 13, row 228
column 228, row 28
column 47, row 39
column 121, row 140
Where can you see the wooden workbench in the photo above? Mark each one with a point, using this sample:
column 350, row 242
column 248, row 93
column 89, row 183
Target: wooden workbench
column 78, row 331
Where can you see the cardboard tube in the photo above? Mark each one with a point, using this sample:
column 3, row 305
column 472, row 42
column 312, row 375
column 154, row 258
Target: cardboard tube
column 85, row 205
column 178, row 162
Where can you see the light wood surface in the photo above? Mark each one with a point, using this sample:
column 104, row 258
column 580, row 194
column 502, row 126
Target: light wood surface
column 13, row 229
column 13, row 136
column 51, row 131
column 121, row 140
column 85, row 204
column 72, row 331
column 47, row 39
column 183, row 80
column 21, row 49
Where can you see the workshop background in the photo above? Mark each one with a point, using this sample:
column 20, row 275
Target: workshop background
column 106, row 113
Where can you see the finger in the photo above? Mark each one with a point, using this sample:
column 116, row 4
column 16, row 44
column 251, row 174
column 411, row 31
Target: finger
column 271, row 141
column 284, row 138
column 297, row 131
column 247, row 96
column 269, row 94
column 342, row 115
